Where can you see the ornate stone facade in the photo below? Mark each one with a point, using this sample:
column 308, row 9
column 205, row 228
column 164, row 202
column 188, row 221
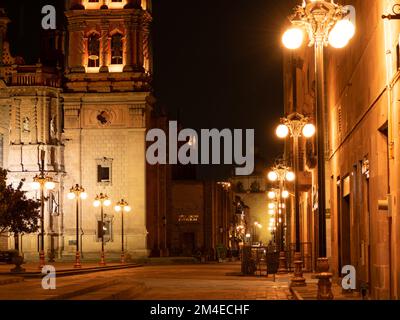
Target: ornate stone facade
column 98, row 115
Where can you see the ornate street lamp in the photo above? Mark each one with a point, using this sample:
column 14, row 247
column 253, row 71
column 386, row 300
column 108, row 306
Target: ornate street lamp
column 102, row 201
column 77, row 192
column 122, row 206
column 295, row 126
column 42, row 182
column 325, row 22
column 280, row 174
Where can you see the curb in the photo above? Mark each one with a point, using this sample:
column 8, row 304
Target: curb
column 72, row 272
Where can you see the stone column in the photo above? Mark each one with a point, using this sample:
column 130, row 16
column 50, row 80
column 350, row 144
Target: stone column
column 104, row 53
column 130, row 47
column 76, row 50
column 16, row 113
column 140, row 51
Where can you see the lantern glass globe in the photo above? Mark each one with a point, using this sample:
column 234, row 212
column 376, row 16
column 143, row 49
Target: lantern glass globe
column 83, row 195
column 127, row 209
column 282, row 131
column 71, row 196
column 117, row 208
column 50, row 185
column 272, row 176
column 341, row 33
column 290, row 176
column 271, row 206
column 285, row 194
column 107, row 202
column 309, row 130
column 271, row 195
column 293, row 38
column 35, row 185
column 96, row 203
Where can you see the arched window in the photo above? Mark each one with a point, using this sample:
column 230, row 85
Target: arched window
column 116, row 49
column 93, row 51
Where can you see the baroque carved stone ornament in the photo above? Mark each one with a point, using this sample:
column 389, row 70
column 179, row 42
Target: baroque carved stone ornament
column 104, row 118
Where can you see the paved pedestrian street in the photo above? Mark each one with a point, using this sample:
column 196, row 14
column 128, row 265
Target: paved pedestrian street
column 172, row 282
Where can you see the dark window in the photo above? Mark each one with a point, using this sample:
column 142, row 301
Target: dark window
column 116, row 1
column 93, row 0
column 93, row 51
column 398, row 56
column 116, row 49
column 103, row 174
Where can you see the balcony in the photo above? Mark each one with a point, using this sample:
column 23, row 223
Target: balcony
column 36, row 75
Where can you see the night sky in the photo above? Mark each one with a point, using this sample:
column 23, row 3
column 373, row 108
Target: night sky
column 217, row 63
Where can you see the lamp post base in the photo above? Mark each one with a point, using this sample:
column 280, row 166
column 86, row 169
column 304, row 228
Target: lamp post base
column 324, row 280
column 102, row 259
column 282, row 263
column 42, row 260
column 123, row 257
column 298, row 280
column 77, row 260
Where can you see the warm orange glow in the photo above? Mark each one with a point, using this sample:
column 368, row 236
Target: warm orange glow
column 92, row 70
column 109, row 3
column 115, row 68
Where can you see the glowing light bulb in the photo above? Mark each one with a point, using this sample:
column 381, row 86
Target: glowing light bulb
column 84, row 195
column 50, row 185
column 271, row 206
column 71, row 196
column 282, row 131
column 107, row 202
column 96, row 203
column 127, row 209
column 341, row 34
column 309, row 130
column 117, row 208
column 271, row 195
column 293, row 38
column 285, row 194
column 290, row 176
column 272, row 176
column 35, row 185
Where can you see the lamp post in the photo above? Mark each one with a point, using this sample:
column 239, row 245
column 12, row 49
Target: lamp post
column 325, row 22
column 295, row 126
column 42, row 182
column 122, row 206
column 77, row 192
column 281, row 174
column 102, row 201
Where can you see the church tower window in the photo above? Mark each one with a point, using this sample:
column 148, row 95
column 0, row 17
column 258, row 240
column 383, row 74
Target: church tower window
column 94, row 51
column 116, row 49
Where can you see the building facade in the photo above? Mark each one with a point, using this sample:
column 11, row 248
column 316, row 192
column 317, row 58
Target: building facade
column 362, row 147
column 89, row 113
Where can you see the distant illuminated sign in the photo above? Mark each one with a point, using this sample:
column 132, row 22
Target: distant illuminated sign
column 192, row 218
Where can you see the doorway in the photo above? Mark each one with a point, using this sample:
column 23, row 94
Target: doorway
column 188, row 243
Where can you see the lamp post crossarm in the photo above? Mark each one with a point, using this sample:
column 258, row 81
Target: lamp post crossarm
column 318, row 18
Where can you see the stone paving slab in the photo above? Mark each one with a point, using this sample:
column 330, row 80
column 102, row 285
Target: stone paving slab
column 4, row 280
column 186, row 282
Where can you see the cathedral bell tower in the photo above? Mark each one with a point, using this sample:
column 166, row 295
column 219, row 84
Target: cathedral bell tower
column 107, row 102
